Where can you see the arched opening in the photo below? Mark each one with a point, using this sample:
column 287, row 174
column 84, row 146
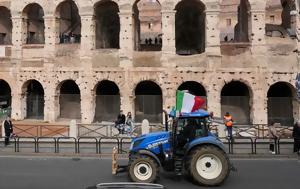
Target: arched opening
column 33, row 24
column 107, row 101
column 107, row 24
column 69, row 100
column 5, row 26
column 194, row 88
column 235, row 98
column 148, row 102
column 147, row 25
column 234, row 21
column 69, row 22
column 190, row 27
column 34, row 100
column 5, row 98
column 280, row 18
column 280, row 104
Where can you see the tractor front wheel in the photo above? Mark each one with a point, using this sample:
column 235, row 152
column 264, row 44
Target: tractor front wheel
column 209, row 165
column 143, row 169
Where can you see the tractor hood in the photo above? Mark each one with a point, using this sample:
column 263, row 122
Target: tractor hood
column 151, row 141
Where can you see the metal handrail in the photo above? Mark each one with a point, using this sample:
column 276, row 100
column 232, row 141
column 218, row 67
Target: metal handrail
column 49, row 138
column 18, row 143
column 121, row 143
column 109, row 138
column 66, row 138
column 94, row 138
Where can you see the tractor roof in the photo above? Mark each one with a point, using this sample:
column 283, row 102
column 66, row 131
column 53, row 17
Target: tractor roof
column 198, row 113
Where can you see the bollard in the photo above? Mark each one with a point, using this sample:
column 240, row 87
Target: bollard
column 114, row 161
column 145, row 127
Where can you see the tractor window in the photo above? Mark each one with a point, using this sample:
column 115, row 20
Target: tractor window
column 191, row 128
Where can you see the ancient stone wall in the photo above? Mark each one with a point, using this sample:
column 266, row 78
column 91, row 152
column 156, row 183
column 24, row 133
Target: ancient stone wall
column 258, row 64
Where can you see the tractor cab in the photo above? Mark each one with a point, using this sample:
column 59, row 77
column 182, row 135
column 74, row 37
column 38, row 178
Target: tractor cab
column 187, row 128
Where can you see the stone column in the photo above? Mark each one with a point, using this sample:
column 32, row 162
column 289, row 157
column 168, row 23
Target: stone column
column 214, row 105
column 126, row 35
column 168, row 31
column 212, row 31
column 87, row 36
column 259, row 112
column 17, row 38
column 257, row 31
column 16, row 106
column 88, row 106
column 50, row 38
column 50, row 108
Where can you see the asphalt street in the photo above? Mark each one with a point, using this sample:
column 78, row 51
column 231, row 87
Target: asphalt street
column 18, row 172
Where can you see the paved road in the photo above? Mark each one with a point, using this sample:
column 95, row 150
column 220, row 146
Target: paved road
column 85, row 173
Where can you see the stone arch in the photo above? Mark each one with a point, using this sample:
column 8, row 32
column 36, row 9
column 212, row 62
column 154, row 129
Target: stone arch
column 5, row 95
column 33, row 99
column 148, row 101
column 235, row 21
column 194, row 88
column 33, row 24
column 5, row 26
column 190, row 26
column 107, row 22
column 280, row 22
column 280, row 103
column 69, row 100
column 69, row 21
column 236, row 99
column 147, row 25
column 107, row 101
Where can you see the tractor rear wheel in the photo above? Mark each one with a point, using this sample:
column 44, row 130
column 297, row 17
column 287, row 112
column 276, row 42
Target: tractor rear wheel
column 143, row 169
column 209, row 165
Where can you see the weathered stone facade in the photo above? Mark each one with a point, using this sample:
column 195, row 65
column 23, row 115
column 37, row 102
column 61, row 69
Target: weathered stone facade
column 257, row 64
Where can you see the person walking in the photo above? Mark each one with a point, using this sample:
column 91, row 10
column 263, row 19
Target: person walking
column 129, row 122
column 273, row 136
column 228, row 121
column 296, row 136
column 8, row 127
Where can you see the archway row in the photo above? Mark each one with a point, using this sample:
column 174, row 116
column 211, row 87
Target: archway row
column 235, row 98
column 147, row 25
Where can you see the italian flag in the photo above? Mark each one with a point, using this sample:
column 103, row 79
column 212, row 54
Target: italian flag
column 187, row 103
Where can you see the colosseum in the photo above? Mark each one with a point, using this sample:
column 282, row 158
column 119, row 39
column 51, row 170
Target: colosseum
column 87, row 59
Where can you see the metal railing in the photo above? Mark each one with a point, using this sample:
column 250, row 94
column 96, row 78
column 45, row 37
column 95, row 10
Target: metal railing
column 235, row 146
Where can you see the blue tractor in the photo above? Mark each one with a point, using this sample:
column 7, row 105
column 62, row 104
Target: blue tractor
column 188, row 148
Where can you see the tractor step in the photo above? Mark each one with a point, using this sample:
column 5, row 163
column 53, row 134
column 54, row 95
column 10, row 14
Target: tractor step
column 178, row 166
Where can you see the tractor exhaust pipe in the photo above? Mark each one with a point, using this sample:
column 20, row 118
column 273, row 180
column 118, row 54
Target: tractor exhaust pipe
column 166, row 120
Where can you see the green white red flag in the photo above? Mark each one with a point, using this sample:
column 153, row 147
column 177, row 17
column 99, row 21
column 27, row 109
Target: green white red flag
column 186, row 102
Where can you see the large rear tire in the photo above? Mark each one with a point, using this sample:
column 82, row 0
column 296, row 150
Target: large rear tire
column 209, row 165
column 143, row 169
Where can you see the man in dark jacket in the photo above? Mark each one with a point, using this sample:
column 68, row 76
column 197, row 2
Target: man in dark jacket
column 8, row 129
column 296, row 136
column 120, row 122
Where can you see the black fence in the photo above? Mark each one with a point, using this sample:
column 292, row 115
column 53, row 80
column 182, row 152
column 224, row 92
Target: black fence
column 104, row 145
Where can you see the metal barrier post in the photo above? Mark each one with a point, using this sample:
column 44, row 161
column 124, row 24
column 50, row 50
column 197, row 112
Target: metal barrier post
column 59, row 138
column 78, row 143
column 38, row 141
column 34, row 142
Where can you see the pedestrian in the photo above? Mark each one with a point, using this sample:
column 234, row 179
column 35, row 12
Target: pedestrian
column 119, row 124
column 129, row 121
column 228, row 121
column 296, row 136
column 8, row 127
column 273, row 136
